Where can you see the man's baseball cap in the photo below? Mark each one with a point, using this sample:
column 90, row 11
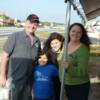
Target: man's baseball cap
column 33, row 18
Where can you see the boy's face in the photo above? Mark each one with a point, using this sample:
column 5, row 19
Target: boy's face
column 42, row 60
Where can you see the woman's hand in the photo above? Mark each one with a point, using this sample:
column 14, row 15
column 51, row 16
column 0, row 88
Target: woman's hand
column 65, row 64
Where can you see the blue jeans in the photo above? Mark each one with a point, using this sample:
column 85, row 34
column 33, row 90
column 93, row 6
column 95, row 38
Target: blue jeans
column 21, row 92
column 78, row 92
column 51, row 98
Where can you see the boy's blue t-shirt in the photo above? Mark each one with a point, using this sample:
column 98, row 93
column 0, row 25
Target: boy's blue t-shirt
column 43, row 86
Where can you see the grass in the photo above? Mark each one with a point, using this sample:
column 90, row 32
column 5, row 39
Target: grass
column 94, row 58
column 45, row 35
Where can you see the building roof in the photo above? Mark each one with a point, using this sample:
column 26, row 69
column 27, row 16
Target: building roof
column 91, row 8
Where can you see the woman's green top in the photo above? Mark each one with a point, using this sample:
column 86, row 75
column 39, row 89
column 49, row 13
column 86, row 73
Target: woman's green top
column 77, row 72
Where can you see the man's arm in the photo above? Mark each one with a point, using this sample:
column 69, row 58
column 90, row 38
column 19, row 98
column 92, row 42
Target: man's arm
column 3, row 68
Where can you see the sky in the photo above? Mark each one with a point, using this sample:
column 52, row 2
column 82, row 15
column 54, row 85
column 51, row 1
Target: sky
column 47, row 10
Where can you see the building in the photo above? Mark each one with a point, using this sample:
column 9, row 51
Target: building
column 5, row 20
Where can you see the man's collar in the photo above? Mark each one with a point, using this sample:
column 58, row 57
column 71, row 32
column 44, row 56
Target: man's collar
column 27, row 34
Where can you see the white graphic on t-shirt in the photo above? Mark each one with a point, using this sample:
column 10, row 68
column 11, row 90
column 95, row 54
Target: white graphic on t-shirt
column 40, row 77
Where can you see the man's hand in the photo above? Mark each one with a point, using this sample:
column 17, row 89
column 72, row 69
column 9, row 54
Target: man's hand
column 2, row 80
column 3, row 69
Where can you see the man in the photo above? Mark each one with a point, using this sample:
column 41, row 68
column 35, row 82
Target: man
column 19, row 55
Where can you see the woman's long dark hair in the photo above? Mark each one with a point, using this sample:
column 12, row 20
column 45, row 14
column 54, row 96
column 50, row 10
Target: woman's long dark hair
column 47, row 46
column 53, row 36
column 84, row 38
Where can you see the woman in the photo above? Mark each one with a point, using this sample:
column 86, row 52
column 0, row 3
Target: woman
column 54, row 45
column 77, row 83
